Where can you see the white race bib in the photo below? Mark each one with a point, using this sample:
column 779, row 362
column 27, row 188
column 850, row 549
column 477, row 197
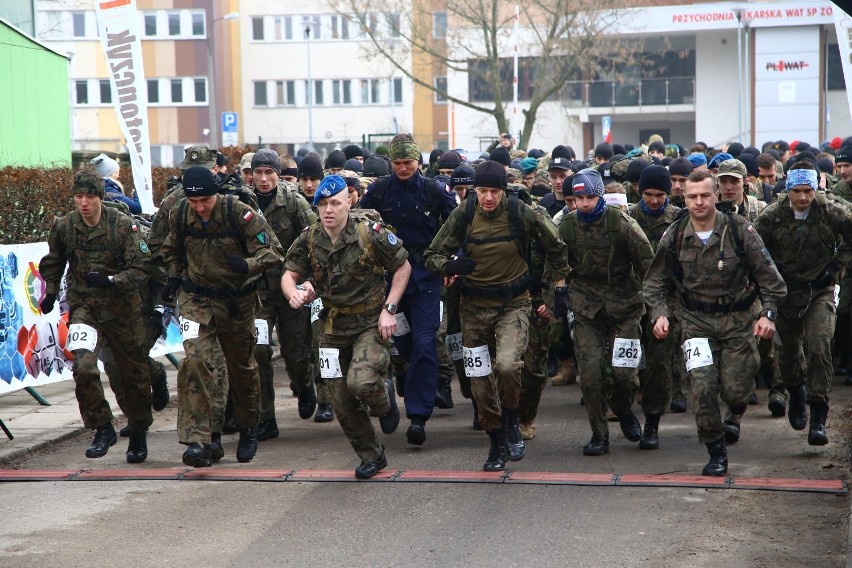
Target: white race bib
column 696, row 353
column 262, row 328
column 626, row 353
column 188, row 328
column 836, row 295
column 477, row 361
column 402, row 327
column 329, row 362
column 316, row 308
column 82, row 336
column 440, row 312
column 454, row 346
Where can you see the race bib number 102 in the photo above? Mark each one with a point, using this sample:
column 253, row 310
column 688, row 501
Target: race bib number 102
column 82, row 336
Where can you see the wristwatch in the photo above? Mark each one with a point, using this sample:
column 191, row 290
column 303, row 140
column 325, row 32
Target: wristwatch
column 392, row 309
column 771, row 315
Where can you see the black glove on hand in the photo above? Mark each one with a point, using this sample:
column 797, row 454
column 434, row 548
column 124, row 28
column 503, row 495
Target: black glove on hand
column 462, row 266
column 826, row 277
column 47, row 303
column 170, row 289
column 237, row 264
column 98, row 280
column 560, row 297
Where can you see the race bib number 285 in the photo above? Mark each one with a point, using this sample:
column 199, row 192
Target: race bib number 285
column 477, row 361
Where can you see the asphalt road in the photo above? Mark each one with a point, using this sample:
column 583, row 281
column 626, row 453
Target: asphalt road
column 246, row 524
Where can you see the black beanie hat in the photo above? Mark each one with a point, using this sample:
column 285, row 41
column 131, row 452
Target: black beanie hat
column 604, row 150
column 352, row 151
column 490, row 174
column 434, row 155
column 462, row 175
column 735, row 149
column 844, row 155
column 634, row 169
column 501, row 156
column 198, row 182
column 618, row 149
column 354, row 165
column 658, row 146
column 375, row 166
column 563, row 152
column 449, row 161
column 268, row 158
column 655, row 177
column 335, row 159
column 750, row 162
column 680, row 167
column 311, row 167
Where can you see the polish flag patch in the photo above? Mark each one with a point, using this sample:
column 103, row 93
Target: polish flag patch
column 248, row 216
column 134, row 228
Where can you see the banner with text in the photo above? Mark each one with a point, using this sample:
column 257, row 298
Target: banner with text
column 118, row 23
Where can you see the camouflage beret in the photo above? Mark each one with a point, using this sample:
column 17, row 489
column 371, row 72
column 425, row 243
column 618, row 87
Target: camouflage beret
column 513, row 175
column 88, row 181
column 202, row 156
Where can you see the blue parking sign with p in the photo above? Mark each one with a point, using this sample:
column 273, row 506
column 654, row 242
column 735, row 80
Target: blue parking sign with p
column 229, row 122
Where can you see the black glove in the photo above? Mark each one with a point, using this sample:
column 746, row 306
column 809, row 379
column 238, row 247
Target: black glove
column 237, row 264
column 461, row 266
column 47, row 303
column 98, row 280
column 560, row 301
column 826, row 277
column 170, row 289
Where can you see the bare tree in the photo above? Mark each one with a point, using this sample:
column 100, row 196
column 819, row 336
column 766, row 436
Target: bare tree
column 559, row 40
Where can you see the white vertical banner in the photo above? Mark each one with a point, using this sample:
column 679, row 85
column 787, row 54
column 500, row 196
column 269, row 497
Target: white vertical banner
column 118, row 25
column 842, row 24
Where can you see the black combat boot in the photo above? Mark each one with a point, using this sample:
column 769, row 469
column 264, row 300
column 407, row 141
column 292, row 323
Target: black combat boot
column 817, row 435
column 159, row 392
column 718, row 464
column 678, row 405
column 125, row 431
column 732, row 432
column 630, row 426
column 597, row 446
column 137, row 449
column 516, row 448
column 476, row 424
column 267, row 429
column 416, row 433
column 324, row 412
column 197, row 455
column 798, row 411
column 444, row 394
column 247, row 446
column 390, row 421
column 650, row 438
column 307, row 402
column 105, row 437
column 497, row 453
column 370, row 469
column 217, row 452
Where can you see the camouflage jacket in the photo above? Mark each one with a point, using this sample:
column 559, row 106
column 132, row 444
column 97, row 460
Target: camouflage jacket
column 349, row 275
column 802, row 248
column 606, row 266
column 712, row 272
column 118, row 251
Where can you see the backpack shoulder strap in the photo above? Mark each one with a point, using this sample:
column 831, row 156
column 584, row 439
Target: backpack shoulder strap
column 463, row 229
column 378, row 192
column 180, row 222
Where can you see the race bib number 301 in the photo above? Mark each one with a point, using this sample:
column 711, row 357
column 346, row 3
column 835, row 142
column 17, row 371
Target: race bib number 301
column 329, row 362
column 696, row 353
column 188, row 329
column 477, row 361
column 82, row 336
column 626, row 353
column 262, row 328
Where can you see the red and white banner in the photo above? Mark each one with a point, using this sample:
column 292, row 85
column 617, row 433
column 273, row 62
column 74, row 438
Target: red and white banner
column 118, row 22
column 843, row 25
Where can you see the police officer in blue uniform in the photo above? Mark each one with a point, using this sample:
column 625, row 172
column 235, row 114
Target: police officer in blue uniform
column 415, row 207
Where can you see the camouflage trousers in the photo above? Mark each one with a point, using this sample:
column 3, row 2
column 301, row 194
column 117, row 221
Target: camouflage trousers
column 202, row 390
column 315, row 330
column 445, row 363
column 593, row 341
column 731, row 375
column 360, row 392
column 452, row 298
column 534, row 373
column 806, row 332
column 155, row 368
column 131, row 384
column 505, row 330
column 663, row 360
column 292, row 328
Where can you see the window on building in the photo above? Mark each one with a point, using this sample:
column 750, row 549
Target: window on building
column 312, row 23
column 285, row 93
column 150, row 24
column 78, row 19
column 260, row 98
column 439, row 25
column 153, row 91
column 308, row 96
column 339, row 27
column 834, row 69
column 288, row 28
column 200, row 90
column 277, row 28
column 290, row 87
column 318, row 93
column 174, row 24
column 106, row 91
column 397, row 90
column 198, row 28
column 81, row 88
column 177, row 90
column 370, row 91
column 257, row 29
column 440, row 85
column 392, row 23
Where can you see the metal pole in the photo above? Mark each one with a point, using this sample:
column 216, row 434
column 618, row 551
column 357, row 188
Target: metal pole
column 739, row 15
column 310, row 93
column 211, row 88
column 748, row 133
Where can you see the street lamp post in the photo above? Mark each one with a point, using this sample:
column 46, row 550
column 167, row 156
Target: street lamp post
column 310, row 93
column 211, row 74
column 739, row 15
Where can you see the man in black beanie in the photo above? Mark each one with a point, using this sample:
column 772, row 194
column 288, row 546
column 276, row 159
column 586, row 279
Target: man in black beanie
column 603, row 153
column 353, row 152
column 448, row 162
column 679, row 169
column 634, row 171
column 310, row 174
column 335, row 161
column 501, row 156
